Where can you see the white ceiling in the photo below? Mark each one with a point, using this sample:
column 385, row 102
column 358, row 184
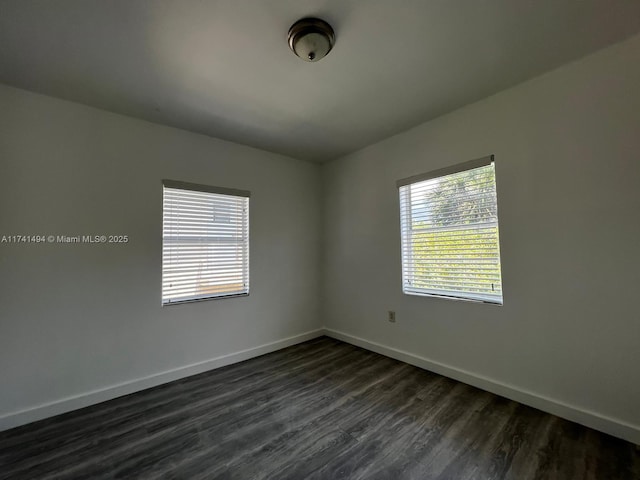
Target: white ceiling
column 223, row 68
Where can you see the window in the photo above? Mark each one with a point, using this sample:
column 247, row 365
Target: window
column 449, row 229
column 205, row 242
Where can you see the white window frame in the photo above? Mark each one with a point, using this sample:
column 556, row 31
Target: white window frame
column 220, row 268
column 457, row 277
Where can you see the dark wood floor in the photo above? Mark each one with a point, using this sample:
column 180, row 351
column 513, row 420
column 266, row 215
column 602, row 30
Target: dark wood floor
column 319, row 410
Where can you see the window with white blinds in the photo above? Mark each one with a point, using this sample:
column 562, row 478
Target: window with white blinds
column 205, row 242
column 449, row 229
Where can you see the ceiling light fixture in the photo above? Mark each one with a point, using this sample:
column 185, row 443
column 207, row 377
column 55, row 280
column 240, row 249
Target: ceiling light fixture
column 311, row 39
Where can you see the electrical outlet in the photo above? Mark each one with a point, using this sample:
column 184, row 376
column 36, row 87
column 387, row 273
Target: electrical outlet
column 392, row 316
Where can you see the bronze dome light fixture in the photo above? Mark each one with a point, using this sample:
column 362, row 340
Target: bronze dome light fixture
column 311, row 39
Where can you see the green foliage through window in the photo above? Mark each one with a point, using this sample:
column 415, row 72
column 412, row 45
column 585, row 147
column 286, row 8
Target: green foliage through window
column 450, row 237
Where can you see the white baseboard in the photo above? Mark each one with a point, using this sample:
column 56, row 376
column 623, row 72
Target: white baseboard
column 75, row 402
column 612, row 426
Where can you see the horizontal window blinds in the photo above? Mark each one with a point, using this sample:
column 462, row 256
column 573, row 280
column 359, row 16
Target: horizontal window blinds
column 449, row 229
column 205, row 243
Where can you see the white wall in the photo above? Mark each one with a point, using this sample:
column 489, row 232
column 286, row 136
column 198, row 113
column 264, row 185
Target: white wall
column 76, row 319
column 567, row 148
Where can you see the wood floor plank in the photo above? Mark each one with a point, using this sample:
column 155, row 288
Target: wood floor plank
column 321, row 410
